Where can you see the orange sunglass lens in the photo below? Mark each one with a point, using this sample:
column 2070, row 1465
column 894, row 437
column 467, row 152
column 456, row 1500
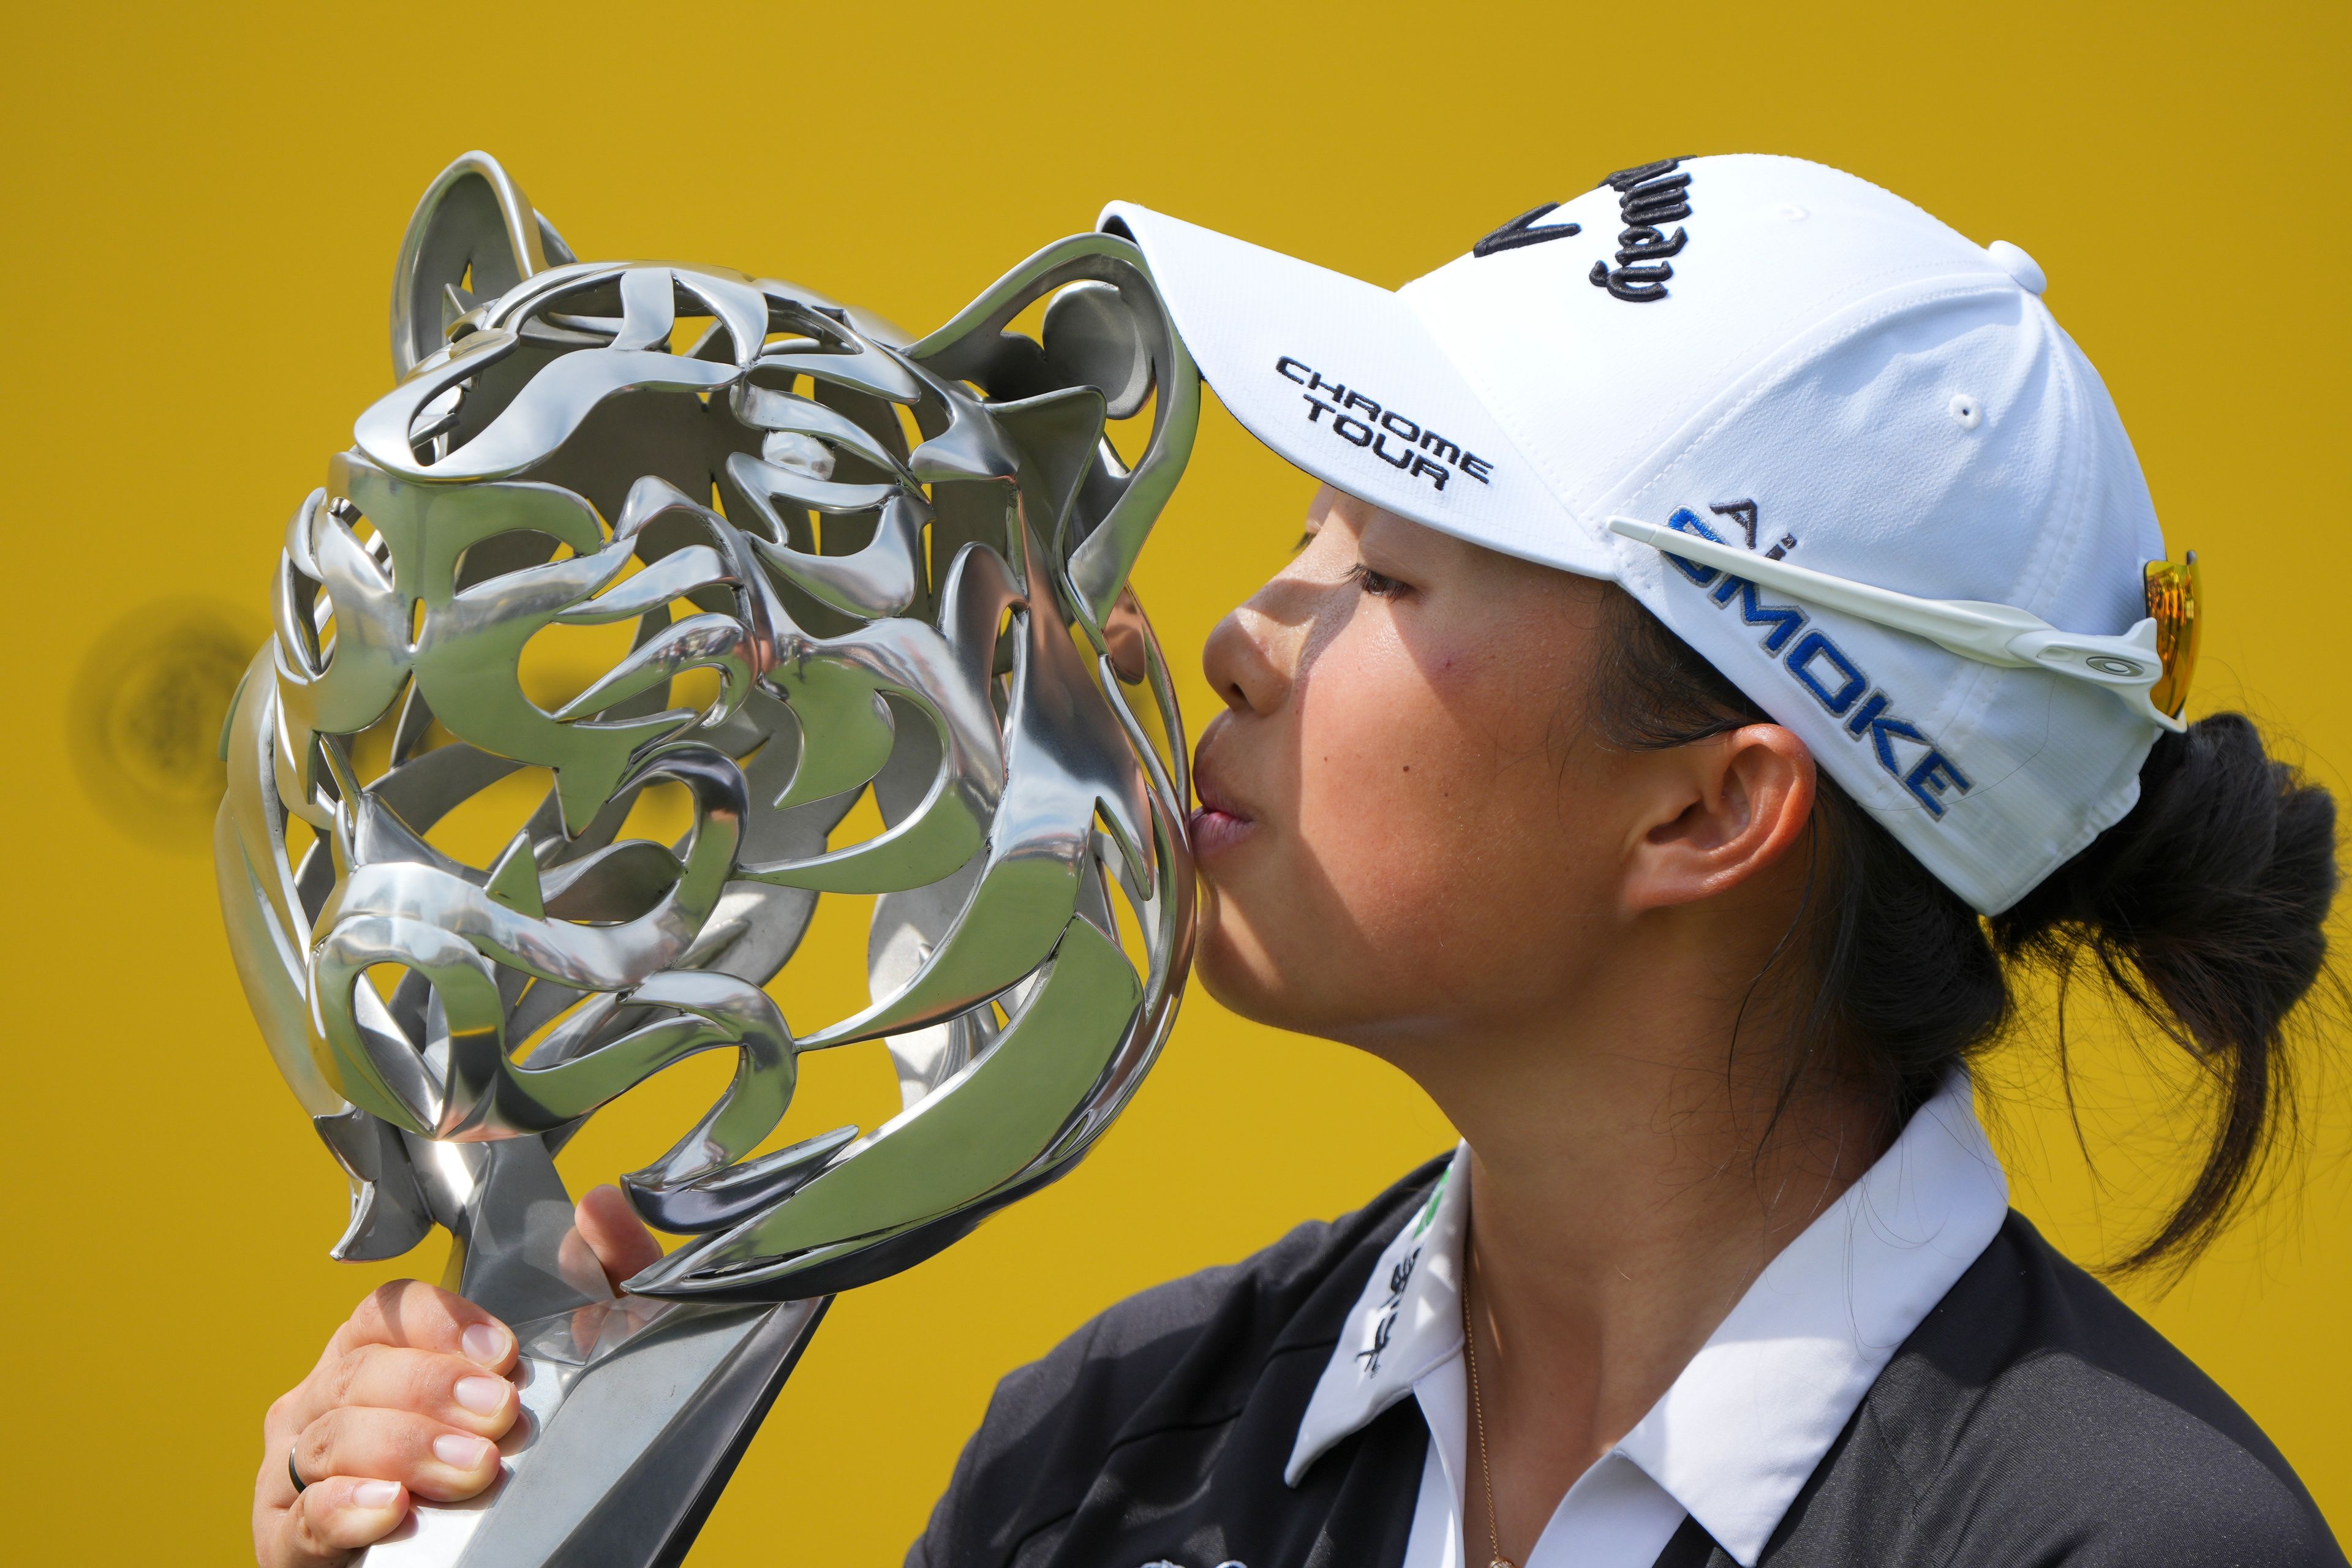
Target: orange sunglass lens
column 2172, row 604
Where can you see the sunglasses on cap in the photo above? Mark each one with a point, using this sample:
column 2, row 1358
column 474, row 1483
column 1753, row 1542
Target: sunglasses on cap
column 2148, row 668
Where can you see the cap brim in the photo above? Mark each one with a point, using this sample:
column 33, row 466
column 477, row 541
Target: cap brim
column 1343, row 378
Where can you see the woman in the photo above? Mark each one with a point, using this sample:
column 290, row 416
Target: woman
column 1724, row 653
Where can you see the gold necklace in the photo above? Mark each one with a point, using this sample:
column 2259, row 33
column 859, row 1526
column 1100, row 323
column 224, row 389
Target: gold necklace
column 1478, row 1412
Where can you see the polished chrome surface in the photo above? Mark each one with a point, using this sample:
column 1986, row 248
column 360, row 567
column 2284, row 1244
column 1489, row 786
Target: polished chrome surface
column 844, row 569
column 632, row 1416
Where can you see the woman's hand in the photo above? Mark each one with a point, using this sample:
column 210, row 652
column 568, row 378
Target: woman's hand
column 407, row 1401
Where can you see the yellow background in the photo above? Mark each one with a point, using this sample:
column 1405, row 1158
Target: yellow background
column 202, row 206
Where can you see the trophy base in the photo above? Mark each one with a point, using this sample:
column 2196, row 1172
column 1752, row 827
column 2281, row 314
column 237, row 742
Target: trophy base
column 634, row 1415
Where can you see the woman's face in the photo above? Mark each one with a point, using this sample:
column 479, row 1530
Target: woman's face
column 1405, row 829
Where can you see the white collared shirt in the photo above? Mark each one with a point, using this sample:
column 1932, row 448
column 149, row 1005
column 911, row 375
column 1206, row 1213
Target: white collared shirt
column 1735, row 1437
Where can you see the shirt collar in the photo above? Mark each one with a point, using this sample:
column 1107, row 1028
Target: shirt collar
column 1407, row 1321
column 1746, row 1422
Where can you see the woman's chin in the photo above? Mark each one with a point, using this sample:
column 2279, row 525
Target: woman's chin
column 1234, row 966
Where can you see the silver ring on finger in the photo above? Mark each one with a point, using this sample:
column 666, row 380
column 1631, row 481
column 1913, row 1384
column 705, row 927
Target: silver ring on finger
column 299, row 1482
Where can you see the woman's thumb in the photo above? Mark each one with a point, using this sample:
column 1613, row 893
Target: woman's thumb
column 613, row 1232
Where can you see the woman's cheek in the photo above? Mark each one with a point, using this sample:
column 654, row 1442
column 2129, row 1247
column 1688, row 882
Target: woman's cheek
column 1381, row 822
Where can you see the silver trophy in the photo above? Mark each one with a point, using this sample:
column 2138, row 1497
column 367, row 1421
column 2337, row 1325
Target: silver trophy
column 837, row 564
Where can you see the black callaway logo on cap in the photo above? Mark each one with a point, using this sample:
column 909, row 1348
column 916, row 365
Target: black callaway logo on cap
column 1421, row 453
column 1648, row 196
column 1517, row 233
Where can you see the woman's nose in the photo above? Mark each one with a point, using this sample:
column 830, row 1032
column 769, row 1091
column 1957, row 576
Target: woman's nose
column 1241, row 668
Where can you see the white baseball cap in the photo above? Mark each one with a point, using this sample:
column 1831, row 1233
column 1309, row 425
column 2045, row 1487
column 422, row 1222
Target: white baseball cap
column 1916, row 530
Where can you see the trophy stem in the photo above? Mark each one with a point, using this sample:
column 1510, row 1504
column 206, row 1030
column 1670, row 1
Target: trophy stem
column 653, row 1514
column 636, row 1413
column 512, row 1249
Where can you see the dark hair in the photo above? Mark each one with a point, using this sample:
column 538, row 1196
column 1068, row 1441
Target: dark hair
column 2204, row 908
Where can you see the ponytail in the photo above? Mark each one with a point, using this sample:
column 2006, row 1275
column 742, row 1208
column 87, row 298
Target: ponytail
column 2205, row 908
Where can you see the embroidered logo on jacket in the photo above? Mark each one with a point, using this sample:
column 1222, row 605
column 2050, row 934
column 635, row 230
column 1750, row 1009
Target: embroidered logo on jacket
column 1400, row 1276
column 1827, row 673
column 1411, row 448
column 1648, row 197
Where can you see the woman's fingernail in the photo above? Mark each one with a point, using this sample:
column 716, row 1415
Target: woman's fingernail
column 376, row 1494
column 482, row 1395
column 484, row 1345
column 462, row 1452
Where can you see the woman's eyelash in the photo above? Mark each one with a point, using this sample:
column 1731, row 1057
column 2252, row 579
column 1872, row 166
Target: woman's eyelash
column 1377, row 584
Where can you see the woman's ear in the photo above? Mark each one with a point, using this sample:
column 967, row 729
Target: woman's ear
column 473, row 235
column 1728, row 808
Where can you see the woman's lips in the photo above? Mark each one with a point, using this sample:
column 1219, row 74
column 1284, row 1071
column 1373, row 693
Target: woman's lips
column 1214, row 832
column 1219, row 823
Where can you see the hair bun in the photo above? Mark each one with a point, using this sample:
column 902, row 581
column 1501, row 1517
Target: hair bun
column 2207, row 907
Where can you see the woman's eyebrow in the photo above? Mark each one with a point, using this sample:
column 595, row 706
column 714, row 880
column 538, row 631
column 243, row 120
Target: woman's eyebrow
column 1305, row 539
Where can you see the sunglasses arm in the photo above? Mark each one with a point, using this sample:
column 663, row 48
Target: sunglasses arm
column 1992, row 634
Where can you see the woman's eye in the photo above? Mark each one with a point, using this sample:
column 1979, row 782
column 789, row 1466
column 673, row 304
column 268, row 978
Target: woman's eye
column 1377, row 584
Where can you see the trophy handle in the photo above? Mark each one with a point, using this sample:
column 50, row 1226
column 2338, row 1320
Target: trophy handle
column 634, row 1412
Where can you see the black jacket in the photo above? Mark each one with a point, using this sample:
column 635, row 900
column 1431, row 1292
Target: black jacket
column 2032, row 1419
